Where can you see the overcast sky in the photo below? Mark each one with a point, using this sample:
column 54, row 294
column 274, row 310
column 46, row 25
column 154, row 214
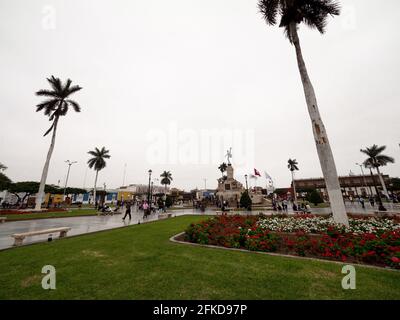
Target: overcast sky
column 159, row 77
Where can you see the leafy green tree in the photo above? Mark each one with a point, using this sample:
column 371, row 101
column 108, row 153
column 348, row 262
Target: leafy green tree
column 75, row 191
column 245, row 200
column 98, row 162
column 56, row 106
column 314, row 14
column 169, row 201
column 2, row 167
column 4, row 181
column 29, row 188
column 315, row 197
column 396, row 184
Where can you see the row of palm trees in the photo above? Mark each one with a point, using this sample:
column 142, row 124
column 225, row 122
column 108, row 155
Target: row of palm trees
column 375, row 160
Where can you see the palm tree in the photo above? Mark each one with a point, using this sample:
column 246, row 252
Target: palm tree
column 375, row 160
column 2, row 167
column 223, row 168
column 98, row 163
column 292, row 166
column 313, row 13
column 56, row 106
column 166, row 179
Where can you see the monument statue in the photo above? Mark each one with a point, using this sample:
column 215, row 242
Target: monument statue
column 229, row 155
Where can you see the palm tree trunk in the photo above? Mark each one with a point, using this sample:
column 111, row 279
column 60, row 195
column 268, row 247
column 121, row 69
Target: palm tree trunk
column 321, row 139
column 94, row 190
column 294, row 189
column 378, row 194
column 383, row 183
column 40, row 194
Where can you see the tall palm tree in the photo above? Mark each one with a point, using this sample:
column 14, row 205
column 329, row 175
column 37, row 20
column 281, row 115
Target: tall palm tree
column 223, row 168
column 56, row 106
column 313, row 13
column 166, row 179
column 375, row 160
column 292, row 166
column 368, row 165
column 98, row 163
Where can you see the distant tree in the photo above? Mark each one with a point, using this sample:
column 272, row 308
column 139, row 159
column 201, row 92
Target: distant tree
column 56, row 106
column 223, row 168
column 169, row 201
column 166, row 179
column 396, row 184
column 315, row 197
column 75, row 191
column 293, row 166
column 245, row 201
column 2, row 167
column 4, row 181
column 29, row 188
column 376, row 160
column 98, row 163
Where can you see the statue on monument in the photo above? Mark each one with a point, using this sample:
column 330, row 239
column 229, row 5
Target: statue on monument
column 229, row 155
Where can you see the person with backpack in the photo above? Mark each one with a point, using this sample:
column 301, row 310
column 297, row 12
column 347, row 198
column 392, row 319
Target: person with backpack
column 128, row 211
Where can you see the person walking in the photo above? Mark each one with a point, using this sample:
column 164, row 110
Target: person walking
column 128, row 211
column 372, row 201
column 362, row 202
column 285, row 205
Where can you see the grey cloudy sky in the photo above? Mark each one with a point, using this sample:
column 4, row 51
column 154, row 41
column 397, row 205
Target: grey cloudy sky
column 152, row 67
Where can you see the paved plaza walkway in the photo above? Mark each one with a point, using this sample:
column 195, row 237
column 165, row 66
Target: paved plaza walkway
column 79, row 225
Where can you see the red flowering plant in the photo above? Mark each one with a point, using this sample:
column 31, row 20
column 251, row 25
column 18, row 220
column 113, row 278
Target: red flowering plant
column 374, row 246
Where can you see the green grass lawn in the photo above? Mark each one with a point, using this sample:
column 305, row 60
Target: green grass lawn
column 72, row 213
column 139, row 262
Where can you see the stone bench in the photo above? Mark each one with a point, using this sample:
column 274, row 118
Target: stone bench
column 19, row 237
column 164, row 216
column 3, row 219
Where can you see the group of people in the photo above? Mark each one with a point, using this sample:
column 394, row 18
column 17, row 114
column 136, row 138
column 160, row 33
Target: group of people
column 282, row 206
column 372, row 200
column 144, row 206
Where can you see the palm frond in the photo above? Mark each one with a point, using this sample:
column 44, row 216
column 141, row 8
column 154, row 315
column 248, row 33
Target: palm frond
column 313, row 13
column 74, row 104
column 46, row 93
column 55, row 83
column 73, row 89
column 269, row 9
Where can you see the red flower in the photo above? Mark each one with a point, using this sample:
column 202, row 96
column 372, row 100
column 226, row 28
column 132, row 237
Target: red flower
column 395, row 260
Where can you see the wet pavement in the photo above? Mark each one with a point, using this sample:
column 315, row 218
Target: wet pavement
column 78, row 225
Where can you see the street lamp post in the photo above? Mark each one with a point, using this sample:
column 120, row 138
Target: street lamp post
column 148, row 194
column 151, row 194
column 363, row 175
column 70, row 163
column 247, row 187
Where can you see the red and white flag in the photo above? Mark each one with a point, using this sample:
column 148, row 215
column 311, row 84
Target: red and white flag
column 257, row 173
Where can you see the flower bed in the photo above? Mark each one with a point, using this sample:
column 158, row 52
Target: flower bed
column 16, row 211
column 369, row 241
